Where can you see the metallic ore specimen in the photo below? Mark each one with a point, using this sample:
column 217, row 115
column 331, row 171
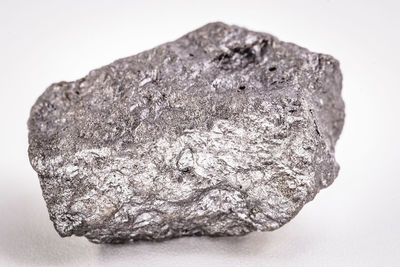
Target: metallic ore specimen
column 221, row 132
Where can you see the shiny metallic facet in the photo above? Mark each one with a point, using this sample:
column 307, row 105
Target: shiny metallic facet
column 221, row 132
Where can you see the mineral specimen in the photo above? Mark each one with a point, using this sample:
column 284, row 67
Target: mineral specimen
column 221, row 132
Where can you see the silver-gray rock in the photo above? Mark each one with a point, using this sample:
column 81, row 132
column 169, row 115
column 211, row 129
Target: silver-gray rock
column 221, row 132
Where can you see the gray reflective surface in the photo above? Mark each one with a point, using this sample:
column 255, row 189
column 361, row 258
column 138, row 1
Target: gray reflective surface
column 222, row 132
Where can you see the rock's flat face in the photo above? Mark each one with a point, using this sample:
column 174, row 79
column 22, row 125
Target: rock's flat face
column 221, row 132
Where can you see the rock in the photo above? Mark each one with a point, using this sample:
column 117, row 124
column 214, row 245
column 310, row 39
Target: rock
column 221, row 132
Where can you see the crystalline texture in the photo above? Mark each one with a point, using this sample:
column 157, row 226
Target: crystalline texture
column 221, row 132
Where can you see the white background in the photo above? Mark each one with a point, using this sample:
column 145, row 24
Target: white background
column 355, row 222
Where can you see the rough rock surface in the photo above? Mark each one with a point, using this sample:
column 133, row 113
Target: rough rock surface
column 221, row 132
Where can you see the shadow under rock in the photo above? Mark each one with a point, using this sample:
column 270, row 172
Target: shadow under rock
column 232, row 247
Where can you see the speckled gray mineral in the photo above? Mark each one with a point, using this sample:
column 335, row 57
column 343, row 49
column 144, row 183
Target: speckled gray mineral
column 221, row 132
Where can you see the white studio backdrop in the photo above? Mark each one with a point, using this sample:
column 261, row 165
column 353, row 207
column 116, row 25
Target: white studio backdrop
column 354, row 222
